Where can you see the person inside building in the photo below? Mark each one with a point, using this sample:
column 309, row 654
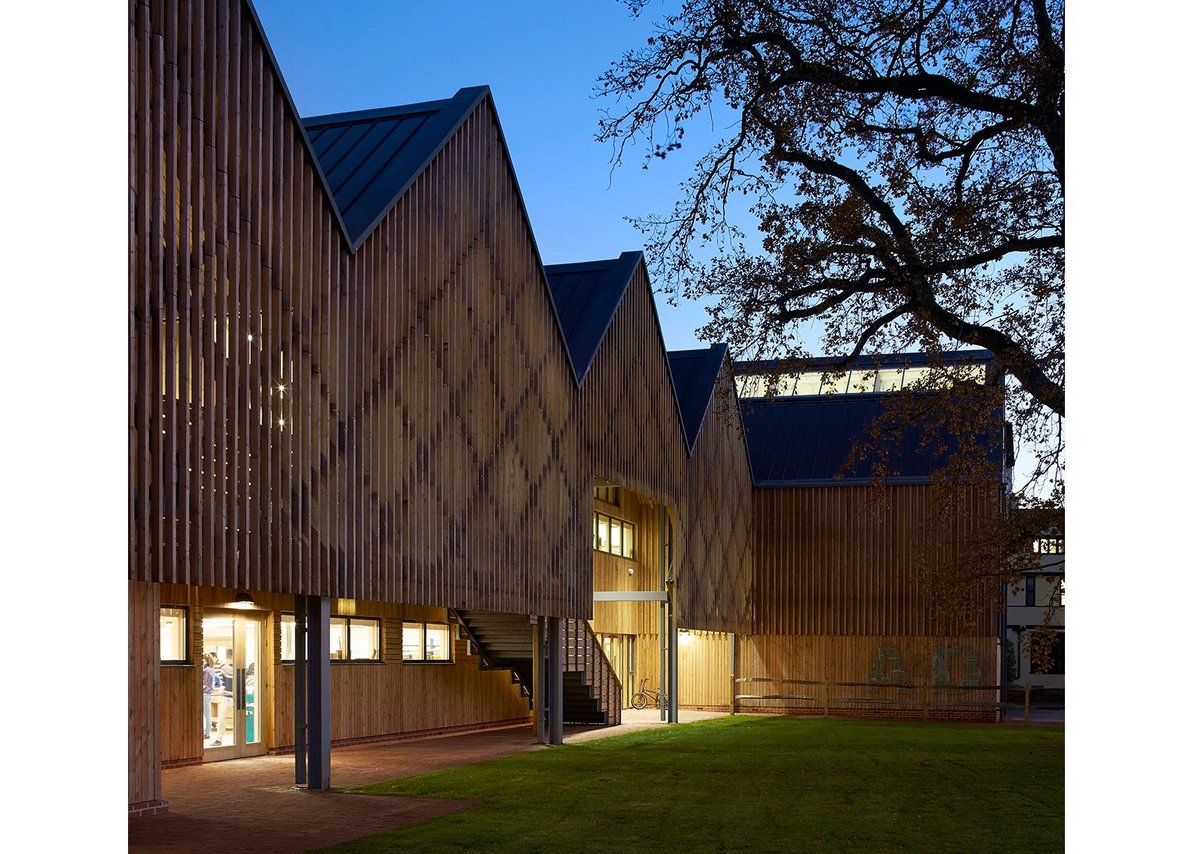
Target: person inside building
column 224, row 694
column 210, row 683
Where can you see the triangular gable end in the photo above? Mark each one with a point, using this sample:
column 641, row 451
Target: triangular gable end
column 586, row 296
column 371, row 157
column 695, row 374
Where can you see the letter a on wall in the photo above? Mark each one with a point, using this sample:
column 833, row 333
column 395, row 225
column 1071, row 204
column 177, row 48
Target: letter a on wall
column 943, row 657
column 888, row 668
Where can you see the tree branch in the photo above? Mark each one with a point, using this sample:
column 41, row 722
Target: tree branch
column 913, row 86
column 966, row 262
column 1017, row 360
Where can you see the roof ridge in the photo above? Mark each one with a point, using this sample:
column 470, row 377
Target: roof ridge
column 350, row 117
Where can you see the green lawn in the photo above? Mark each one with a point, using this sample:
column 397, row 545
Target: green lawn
column 756, row 784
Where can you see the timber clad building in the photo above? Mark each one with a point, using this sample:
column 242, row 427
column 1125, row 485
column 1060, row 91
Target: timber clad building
column 400, row 477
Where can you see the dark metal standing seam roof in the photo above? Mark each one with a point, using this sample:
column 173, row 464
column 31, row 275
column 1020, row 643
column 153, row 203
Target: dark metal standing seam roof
column 586, row 296
column 804, row 441
column 695, row 374
column 370, row 157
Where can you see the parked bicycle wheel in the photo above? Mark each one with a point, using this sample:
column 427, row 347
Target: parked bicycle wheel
column 639, row 700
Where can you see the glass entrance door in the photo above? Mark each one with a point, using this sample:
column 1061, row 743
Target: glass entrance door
column 231, row 702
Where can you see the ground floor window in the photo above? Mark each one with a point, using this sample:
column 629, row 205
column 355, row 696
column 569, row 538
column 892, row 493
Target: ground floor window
column 172, row 635
column 426, row 642
column 350, row 638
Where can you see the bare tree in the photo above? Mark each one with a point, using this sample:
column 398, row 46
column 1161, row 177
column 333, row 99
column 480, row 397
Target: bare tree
column 904, row 160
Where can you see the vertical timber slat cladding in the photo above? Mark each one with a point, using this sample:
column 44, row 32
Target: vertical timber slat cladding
column 426, row 445
column 704, row 668
column 200, row 268
column 890, row 675
column 155, row 311
column 236, row 278
column 141, row 393
column 836, row 560
column 172, row 285
column 634, row 436
column 714, row 587
column 145, row 783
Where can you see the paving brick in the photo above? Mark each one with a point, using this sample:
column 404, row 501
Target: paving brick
column 251, row 805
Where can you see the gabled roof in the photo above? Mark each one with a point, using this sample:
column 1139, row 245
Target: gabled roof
column 804, row 441
column 695, row 373
column 586, row 296
column 371, row 157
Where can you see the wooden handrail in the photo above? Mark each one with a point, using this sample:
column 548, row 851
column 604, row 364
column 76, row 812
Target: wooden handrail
column 905, row 685
column 929, row 696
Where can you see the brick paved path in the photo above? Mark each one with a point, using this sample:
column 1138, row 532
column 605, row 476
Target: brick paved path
column 251, row 805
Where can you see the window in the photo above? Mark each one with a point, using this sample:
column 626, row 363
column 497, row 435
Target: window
column 350, row 638
column 609, row 494
column 889, row 379
column 1058, row 661
column 919, row 378
column 807, row 384
column 1055, row 590
column 172, row 635
column 750, row 386
column 857, row 380
column 1030, row 591
column 1048, row 546
column 287, row 637
column 426, row 642
column 861, row 382
column 612, row 535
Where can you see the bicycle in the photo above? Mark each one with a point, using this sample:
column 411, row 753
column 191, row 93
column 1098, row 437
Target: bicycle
column 644, row 695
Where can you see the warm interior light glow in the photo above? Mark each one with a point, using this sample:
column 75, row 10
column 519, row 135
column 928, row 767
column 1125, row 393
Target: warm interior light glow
column 685, row 637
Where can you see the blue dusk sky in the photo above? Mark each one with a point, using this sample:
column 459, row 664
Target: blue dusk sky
column 1132, row 290
column 541, row 60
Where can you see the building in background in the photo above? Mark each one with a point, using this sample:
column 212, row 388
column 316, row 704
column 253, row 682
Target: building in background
column 1038, row 605
column 843, row 610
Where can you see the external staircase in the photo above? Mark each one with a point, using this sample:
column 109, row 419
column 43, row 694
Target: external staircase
column 591, row 690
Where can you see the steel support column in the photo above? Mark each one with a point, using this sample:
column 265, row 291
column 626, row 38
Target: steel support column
column 554, row 678
column 733, row 671
column 663, row 578
column 300, row 695
column 538, row 689
column 673, row 662
column 317, row 672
